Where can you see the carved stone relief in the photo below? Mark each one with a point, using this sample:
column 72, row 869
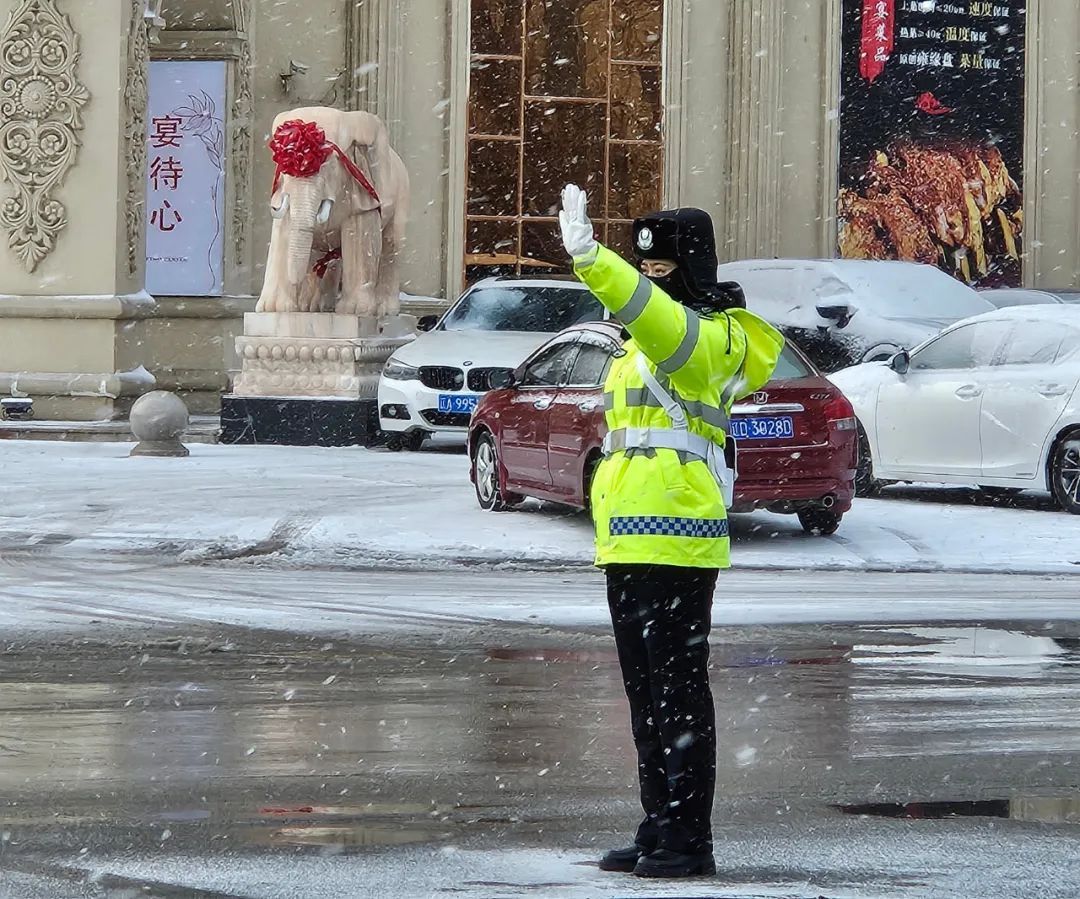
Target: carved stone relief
column 242, row 114
column 41, row 100
column 135, row 103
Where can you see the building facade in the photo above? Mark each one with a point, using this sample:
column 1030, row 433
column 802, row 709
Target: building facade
column 736, row 106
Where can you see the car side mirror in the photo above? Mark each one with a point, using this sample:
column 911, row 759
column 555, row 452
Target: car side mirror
column 901, row 362
column 502, row 379
column 427, row 323
column 839, row 313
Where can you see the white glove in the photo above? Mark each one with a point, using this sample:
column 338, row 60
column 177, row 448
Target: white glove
column 577, row 230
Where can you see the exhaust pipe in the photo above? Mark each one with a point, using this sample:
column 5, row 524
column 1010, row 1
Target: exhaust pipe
column 827, row 502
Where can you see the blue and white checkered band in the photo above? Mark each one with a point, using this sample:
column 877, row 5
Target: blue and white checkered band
column 659, row 526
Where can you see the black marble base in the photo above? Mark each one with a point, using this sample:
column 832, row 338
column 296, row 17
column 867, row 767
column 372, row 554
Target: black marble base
column 298, row 421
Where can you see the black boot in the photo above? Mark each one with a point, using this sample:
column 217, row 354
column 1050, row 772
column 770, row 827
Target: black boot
column 623, row 860
column 665, row 863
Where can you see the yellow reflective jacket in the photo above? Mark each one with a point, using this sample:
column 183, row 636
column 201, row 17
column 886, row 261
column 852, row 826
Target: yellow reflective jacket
column 656, row 505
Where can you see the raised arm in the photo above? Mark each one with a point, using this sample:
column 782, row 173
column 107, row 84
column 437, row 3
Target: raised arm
column 692, row 350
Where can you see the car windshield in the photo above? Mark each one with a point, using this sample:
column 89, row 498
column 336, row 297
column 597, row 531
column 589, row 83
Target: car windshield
column 541, row 309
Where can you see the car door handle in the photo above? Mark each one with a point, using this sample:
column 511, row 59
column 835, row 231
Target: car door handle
column 541, row 405
column 1053, row 389
column 968, row 392
column 589, row 406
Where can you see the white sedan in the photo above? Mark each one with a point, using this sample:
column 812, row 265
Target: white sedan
column 431, row 386
column 990, row 402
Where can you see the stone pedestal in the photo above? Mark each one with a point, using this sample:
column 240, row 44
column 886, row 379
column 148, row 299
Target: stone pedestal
column 310, row 378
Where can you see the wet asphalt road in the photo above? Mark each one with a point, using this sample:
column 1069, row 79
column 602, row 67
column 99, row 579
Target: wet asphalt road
column 179, row 756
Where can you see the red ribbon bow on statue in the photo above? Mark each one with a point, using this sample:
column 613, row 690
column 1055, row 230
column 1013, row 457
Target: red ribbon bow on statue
column 301, row 149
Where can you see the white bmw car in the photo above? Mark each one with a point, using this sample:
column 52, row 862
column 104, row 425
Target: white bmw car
column 431, row 386
column 991, row 402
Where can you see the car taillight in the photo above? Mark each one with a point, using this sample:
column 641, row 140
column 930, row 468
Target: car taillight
column 839, row 414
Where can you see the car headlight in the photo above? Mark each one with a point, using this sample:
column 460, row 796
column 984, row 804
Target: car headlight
column 399, row 371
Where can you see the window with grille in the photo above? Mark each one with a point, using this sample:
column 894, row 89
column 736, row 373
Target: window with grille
column 560, row 91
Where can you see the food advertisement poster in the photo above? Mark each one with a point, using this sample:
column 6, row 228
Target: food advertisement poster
column 932, row 135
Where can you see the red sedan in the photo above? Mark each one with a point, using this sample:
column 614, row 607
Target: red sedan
column 540, row 435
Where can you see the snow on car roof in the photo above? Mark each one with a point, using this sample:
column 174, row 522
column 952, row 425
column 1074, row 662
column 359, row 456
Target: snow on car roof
column 1063, row 314
column 1019, row 296
column 849, row 265
column 570, row 282
column 885, row 287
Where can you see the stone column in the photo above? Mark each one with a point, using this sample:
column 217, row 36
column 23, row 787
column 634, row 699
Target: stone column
column 754, row 130
column 73, row 82
column 373, row 53
column 1052, row 164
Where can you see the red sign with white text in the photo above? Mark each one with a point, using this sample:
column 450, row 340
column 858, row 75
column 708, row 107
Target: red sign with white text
column 878, row 31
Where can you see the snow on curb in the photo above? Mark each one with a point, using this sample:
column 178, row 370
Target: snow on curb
column 352, row 508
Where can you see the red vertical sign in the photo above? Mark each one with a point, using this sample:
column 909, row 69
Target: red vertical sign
column 878, row 29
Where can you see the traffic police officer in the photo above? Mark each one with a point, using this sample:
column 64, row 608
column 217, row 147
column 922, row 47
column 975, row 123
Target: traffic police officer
column 660, row 501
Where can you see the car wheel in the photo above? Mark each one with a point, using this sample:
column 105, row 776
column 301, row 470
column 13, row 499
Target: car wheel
column 865, row 482
column 820, row 521
column 485, row 463
column 1065, row 473
column 395, row 443
column 591, row 464
column 415, row 441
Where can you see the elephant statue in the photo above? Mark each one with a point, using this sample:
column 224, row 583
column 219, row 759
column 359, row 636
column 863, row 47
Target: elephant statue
column 340, row 203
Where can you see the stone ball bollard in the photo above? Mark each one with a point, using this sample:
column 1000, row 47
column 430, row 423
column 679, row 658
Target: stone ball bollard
column 158, row 420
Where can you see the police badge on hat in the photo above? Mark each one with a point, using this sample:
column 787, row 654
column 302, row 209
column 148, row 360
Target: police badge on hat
column 645, row 239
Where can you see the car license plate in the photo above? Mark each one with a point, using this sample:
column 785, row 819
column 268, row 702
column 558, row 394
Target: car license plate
column 453, row 402
column 755, row 428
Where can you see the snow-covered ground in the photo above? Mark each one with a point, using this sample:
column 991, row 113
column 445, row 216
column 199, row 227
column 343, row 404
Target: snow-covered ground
column 842, row 858
column 315, row 507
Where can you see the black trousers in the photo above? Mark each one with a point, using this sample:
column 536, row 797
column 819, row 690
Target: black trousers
column 662, row 617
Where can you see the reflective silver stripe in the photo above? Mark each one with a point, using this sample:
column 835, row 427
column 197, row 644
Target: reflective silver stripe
column 638, row 301
column 640, row 397
column 711, row 415
column 686, row 349
column 734, row 385
column 685, row 458
column 656, row 438
column 609, row 402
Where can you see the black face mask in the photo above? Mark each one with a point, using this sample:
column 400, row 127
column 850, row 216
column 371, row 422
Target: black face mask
column 677, row 287
column 726, row 296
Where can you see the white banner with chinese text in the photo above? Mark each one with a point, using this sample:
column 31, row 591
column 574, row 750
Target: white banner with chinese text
column 185, row 202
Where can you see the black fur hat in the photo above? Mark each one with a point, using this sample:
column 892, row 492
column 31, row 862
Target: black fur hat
column 686, row 237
